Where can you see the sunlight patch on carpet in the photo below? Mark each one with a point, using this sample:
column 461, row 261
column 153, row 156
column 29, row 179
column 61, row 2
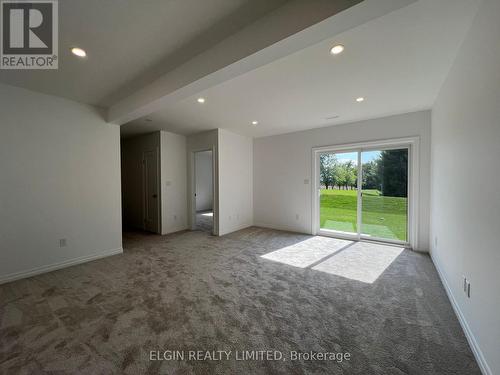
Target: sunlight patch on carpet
column 362, row 261
column 305, row 253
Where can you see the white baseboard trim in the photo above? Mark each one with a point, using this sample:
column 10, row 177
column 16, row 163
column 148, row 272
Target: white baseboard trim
column 175, row 230
column 56, row 266
column 285, row 228
column 478, row 354
column 235, row 229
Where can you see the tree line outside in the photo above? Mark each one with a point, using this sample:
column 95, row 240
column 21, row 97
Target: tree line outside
column 387, row 174
column 384, row 201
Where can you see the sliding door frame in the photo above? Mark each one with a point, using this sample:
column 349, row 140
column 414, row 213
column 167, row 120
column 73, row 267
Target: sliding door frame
column 413, row 146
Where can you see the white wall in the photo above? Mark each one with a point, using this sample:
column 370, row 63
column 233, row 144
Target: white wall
column 132, row 150
column 204, row 180
column 60, row 178
column 235, row 181
column 283, row 168
column 173, row 182
column 466, row 181
column 208, row 140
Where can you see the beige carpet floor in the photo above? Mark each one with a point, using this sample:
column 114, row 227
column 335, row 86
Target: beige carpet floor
column 256, row 289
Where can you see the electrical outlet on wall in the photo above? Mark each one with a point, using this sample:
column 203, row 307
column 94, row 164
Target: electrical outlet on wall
column 466, row 286
column 63, row 242
column 297, row 216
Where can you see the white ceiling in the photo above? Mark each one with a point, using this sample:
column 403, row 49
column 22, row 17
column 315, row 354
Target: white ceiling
column 398, row 62
column 131, row 43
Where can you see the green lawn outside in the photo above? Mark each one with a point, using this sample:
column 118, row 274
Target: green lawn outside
column 383, row 217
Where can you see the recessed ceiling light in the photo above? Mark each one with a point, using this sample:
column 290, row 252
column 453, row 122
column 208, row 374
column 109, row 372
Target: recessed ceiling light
column 336, row 49
column 78, row 52
column 255, row 122
column 201, row 100
column 360, row 99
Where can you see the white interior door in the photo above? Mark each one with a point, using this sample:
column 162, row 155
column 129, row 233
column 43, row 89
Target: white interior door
column 150, row 191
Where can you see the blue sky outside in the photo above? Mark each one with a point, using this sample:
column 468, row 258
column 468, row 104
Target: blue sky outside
column 366, row 156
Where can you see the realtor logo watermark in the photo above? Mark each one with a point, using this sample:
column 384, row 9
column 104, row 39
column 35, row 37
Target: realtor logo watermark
column 29, row 37
column 246, row 355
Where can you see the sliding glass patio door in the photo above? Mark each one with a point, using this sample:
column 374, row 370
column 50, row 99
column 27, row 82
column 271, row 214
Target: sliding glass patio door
column 363, row 193
column 384, row 191
column 338, row 193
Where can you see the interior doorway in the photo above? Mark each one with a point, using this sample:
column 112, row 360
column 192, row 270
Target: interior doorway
column 204, row 191
column 141, row 190
column 366, row 192
column 150, row 191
